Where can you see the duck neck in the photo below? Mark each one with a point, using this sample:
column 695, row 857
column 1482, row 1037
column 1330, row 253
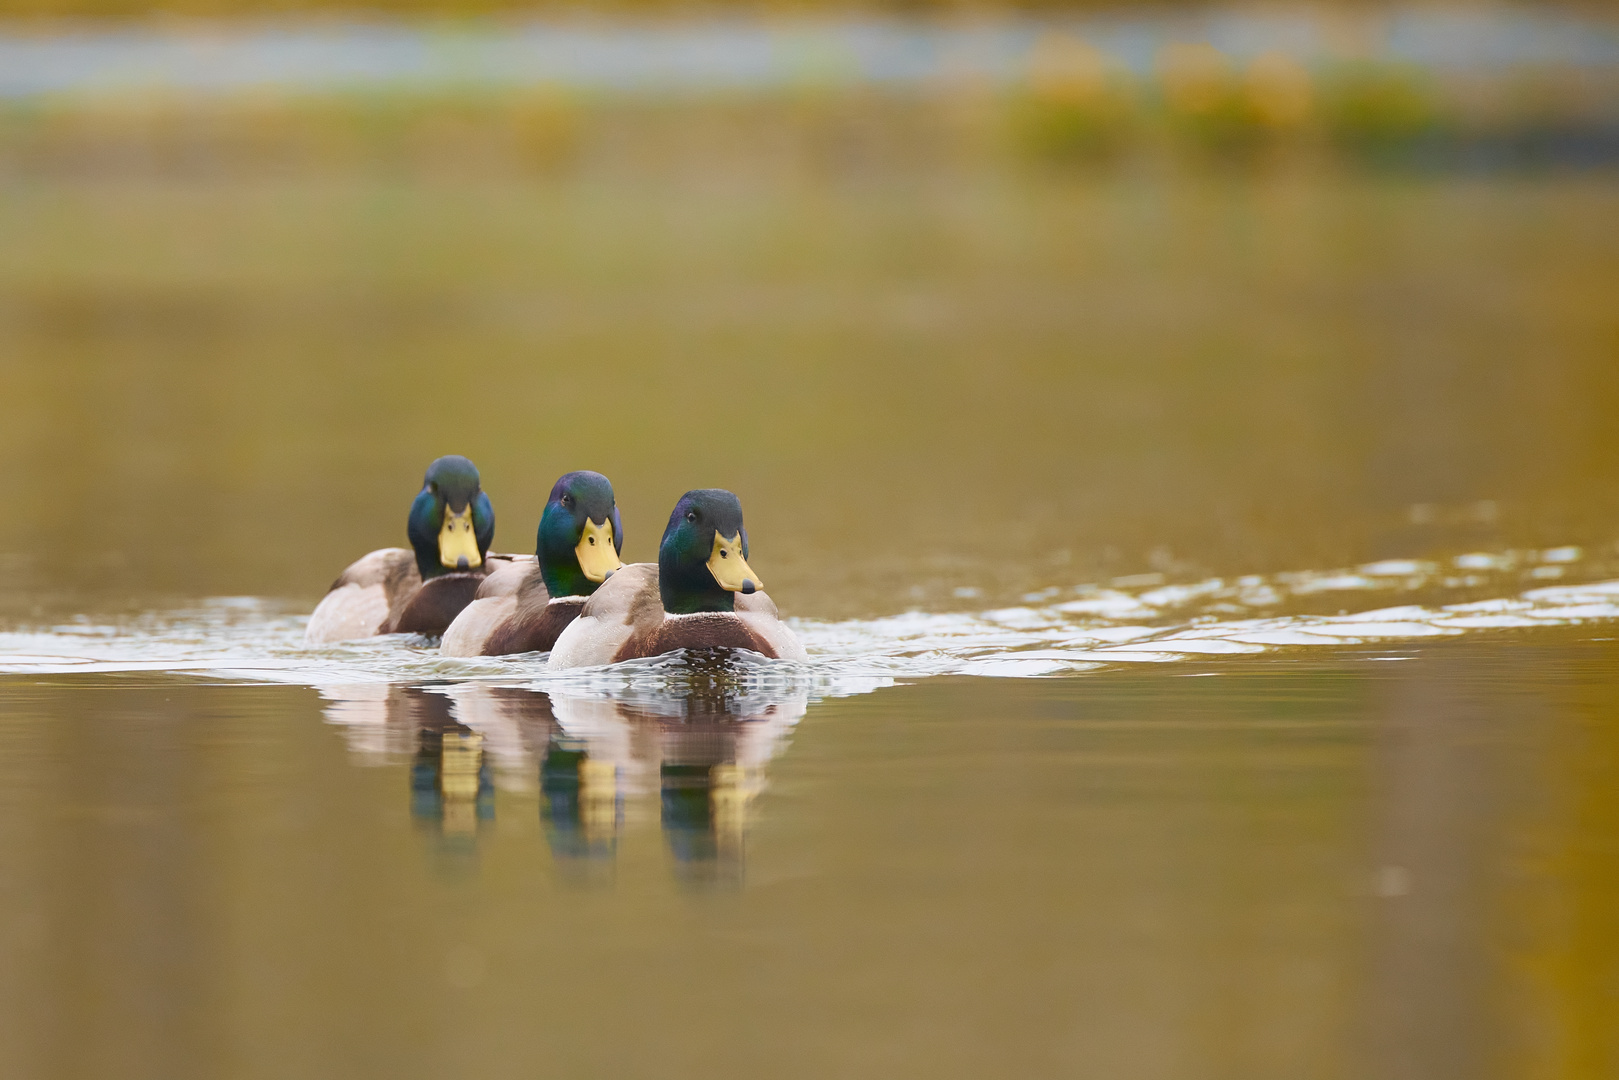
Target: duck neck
column 555, row 548
column 688, row 589
column 423, row 535
column 428, row 564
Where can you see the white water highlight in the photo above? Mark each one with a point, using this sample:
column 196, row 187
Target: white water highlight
column 1058, row 631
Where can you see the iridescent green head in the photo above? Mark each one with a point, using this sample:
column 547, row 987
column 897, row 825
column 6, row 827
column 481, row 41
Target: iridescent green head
column 452, row 521
column 580, row 535
column 703, row 559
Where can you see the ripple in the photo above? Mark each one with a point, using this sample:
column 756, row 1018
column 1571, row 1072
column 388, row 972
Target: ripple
column 1074, row 630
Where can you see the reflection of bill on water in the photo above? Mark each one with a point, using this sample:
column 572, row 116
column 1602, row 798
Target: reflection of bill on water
column 599, row 763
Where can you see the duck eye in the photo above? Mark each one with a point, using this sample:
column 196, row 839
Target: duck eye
column 691, row 515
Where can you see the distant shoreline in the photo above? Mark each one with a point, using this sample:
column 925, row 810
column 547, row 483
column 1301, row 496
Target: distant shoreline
column 211, row 57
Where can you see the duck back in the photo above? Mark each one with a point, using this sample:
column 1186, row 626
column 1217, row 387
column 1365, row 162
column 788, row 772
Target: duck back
column 534, row 629
column 366, row 598
column 625, row 620
column 437, row 603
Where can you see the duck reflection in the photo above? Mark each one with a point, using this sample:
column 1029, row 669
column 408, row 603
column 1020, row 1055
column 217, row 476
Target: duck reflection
column 599, row 763
column 702, row 754
column 581, row 805
column 451, row 773
column 451, row 785
column 451, row 770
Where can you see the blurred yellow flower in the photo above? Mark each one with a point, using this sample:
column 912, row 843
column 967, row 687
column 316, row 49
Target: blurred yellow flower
column 1196, row 77
column 1069, row 69
column 1278, row 89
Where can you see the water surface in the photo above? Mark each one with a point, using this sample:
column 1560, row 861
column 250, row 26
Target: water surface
column 939, row 392
column 1395, row 863
column 1208, row 567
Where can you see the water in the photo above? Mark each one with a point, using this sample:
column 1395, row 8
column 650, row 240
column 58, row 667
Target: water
column 1209, row 569
column 950, row 391
column 1341, row 866
column 1056, row 632
column 1376, row 843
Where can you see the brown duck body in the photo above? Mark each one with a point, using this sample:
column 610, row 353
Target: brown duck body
column 625, row 620
column 701, row 630
column 383, row 593
column 512, row 613
column 437, row 603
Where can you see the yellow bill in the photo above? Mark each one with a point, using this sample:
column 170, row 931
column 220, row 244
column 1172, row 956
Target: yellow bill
column 457, row 543
column 729, row 568
column 597, row 557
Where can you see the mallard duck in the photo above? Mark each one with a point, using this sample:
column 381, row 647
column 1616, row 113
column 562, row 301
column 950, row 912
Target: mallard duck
column 523, row 607
column 394, row 591
column 700, row 594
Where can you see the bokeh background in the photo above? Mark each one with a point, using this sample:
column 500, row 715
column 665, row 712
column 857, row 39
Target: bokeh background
column 971, row 306
column 962, row 303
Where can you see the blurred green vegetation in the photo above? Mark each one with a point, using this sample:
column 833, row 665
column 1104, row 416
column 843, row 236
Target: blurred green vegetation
column 1078, row 107
column 1075, row 108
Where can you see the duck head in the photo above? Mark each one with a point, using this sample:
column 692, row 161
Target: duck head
column 703, row 559
column 452, row 521
column 580, row 535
